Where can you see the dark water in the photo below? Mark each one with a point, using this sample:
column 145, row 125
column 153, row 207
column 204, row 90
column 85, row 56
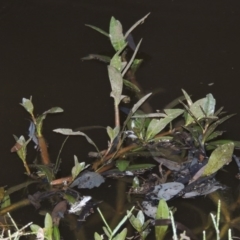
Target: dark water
column 190, row 44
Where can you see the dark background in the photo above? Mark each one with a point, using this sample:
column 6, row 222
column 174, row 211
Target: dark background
column 188, row 44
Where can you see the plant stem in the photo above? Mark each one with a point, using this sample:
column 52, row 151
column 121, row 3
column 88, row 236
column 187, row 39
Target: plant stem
column 44, row 151
column 15, row 206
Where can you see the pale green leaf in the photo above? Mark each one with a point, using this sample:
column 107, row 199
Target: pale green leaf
column 116, row 81
column 140, row 217
column 108, row 234
column 122, row 235
column 97, row 236
column 220, row 156
column 187, row 97
column 162, row 213
column 53, row 110
column 70, row 132
column 34, row 228
column 27, row 104
column 209, row 106
column 101, row 58
column 116, row 34
column 136, row 223
column 98, row 29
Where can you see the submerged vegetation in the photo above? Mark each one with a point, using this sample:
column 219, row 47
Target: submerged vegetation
column 180, row 160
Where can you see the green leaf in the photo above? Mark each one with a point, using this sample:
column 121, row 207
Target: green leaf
column 97, row 236
column 70, row 132
column 122, row 235
column 140, row 217
column 137, row 167
column 135, row 108
column 56, row 233
column 136, row 223
column 136, row 182
column 48, row 226
column 98, row 29
column 122, row 165
column 214, row 135
column 108, row 234
column 19, row 187
column 53, row 110
column 102, row 58
column 78, row 167
column 113, row 133
column 116, row 60
column 47, row 171
column 157, row 126
column 214, row 125
column 116, row 34
column 187, row 97
column 136, row 64
column 116, row 81
column 215, row 144
column 5, row 202
column 132, row 58
column 219, row 157
column 34, row 228
column 131, row 86
column 209, row 106
column 27, row 104
column 135, row 25
column 162, row 213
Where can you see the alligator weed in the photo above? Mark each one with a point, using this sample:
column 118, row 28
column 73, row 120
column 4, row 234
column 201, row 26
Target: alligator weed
column 184, row 162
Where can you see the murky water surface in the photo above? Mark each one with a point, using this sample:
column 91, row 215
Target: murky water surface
column 187, row 44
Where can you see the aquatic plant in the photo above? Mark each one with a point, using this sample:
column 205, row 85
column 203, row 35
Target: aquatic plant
column 187, row 156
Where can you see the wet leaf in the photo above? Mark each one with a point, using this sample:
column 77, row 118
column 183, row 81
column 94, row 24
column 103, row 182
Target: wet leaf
column 122, row 235
column 116, row 34
column 97, row 236
column 122, row 165
column 88, row 179
column 219, row 157
column 27, row 104
column 162, row 213
column 116, row 81
column 70, row 132
column 98, row 29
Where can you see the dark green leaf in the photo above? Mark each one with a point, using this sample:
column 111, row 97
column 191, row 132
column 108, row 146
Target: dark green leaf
column 101, row 58
column 131, row 86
